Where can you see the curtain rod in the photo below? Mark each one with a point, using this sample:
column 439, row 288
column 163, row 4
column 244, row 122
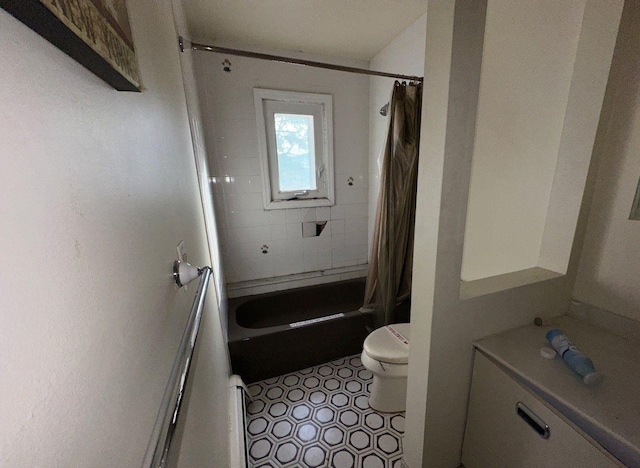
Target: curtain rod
column 280, row 58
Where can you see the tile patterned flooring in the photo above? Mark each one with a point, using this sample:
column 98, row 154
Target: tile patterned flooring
column 320, row 417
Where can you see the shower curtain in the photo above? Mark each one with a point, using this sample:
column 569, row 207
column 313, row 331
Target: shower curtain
column 390, row 267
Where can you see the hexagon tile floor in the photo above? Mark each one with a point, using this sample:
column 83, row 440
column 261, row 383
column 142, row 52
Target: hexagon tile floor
column 320, row 417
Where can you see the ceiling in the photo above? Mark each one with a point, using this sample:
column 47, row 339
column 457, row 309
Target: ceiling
column 356, row 29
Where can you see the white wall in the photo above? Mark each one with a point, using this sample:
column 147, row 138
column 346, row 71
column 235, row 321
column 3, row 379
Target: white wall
column 527, row 65
column 404, row 55
column 98, row 187
column 610, row 261
column 231, row 134
column 200, row 433
column 443, row 326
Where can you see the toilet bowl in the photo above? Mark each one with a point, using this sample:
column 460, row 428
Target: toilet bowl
column 386, row 354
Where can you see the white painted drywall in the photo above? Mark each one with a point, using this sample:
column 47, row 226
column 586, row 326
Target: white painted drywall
column 97, row 189
column 527, row 65
column 404, row 55
column 204, row 417
column 610, row 261
column 332, row 27
column 231, row 137
column 443, row 326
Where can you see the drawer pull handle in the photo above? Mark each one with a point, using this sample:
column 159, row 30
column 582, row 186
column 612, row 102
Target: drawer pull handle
column 533, row 420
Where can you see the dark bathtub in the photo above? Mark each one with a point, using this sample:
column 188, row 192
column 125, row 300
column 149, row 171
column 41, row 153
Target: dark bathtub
column 276, row 333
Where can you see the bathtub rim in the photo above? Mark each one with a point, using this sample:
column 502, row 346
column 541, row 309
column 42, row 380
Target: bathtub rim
column 237, row 332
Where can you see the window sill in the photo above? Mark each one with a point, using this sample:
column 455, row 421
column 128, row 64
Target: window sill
column 308, row 203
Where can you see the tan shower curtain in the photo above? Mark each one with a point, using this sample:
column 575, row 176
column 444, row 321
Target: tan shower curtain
column 390, row 267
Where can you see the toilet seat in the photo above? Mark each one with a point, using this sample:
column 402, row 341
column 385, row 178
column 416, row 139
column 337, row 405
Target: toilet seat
column 389, row 344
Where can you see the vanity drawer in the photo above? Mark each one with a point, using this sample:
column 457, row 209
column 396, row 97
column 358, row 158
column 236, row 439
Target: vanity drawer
column 508, row 426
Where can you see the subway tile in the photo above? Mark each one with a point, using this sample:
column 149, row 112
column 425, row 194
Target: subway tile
column 247, row 148
column 324, row 259
column 236, row 184
column 282, row 265
column 294, row 230
column 231, row 103
column 311, row 260
column 324, row 243
column 222, row 224
column 358, row 210
column 253, row 234
column 337, row 227
column 362, row 251
column 256, row 201
column 337, row 212
column 360, row 180
column 255, row 184
column 351, row 164
column 248, row 250
column 242, row 184
column 239, row 166
column 310, row 215
column 338, row 255
column 233, row 131
column 230, row 270
column 310, row 244
column 278, row 231
column 277, row 216
column 352, row 195
column 284, row 246
column 337, row 241
column 350, row 254
column 241, row 218
column 353, row 239
column 358, row 225
column 296, row 262
column 323, row 213
column 229, row 238
column 253, row 268
column 298, row 215
column 231, row 252
column 239, row 201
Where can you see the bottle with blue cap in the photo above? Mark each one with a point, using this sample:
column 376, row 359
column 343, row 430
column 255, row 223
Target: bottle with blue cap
column 573, row 358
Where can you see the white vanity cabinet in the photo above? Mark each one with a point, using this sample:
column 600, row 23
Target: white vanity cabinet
column 508, row 426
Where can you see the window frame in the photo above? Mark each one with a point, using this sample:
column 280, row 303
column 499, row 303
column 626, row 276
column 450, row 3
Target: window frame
column 269, row 102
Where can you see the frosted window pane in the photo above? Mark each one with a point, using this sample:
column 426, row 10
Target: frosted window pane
column 296, row 152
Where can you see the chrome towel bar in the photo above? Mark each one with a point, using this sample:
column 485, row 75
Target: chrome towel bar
column 157, row 453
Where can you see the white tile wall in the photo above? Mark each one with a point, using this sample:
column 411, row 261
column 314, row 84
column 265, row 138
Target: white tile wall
column 260, row 286
column 231, row 133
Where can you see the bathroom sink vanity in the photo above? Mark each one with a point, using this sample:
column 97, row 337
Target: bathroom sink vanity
column 525, row 410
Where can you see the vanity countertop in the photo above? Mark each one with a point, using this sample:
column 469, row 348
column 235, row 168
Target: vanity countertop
column 610, row 411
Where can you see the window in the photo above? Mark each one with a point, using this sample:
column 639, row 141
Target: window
column 295, row 132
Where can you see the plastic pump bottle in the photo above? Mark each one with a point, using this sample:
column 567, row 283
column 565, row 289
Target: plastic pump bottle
column 573, row 358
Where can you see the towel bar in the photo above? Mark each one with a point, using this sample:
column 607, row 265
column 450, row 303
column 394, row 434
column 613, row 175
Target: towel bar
column 157, row 452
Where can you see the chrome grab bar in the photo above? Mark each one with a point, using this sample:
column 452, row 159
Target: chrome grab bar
column 164, row 428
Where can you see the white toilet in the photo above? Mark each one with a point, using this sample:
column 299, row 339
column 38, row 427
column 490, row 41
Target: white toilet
column 386, row 355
